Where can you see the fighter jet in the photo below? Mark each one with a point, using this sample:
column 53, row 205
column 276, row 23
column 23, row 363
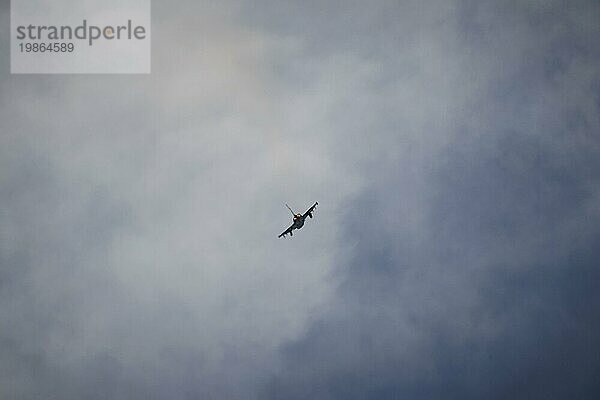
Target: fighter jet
column 298, row 220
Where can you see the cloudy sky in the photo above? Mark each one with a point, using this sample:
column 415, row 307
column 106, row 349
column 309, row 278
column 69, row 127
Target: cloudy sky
column 454, row 150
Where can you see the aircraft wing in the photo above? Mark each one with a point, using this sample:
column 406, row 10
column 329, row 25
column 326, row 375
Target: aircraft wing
column 310, row 210
column 288, row 230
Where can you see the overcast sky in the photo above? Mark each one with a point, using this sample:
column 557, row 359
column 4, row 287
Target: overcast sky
column 454, row 150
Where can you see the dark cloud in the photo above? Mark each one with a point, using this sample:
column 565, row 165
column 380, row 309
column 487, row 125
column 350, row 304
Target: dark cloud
column 498, row 301
column 492, row 294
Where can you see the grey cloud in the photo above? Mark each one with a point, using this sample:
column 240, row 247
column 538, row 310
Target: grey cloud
column 138, row 225
column 451, row 146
